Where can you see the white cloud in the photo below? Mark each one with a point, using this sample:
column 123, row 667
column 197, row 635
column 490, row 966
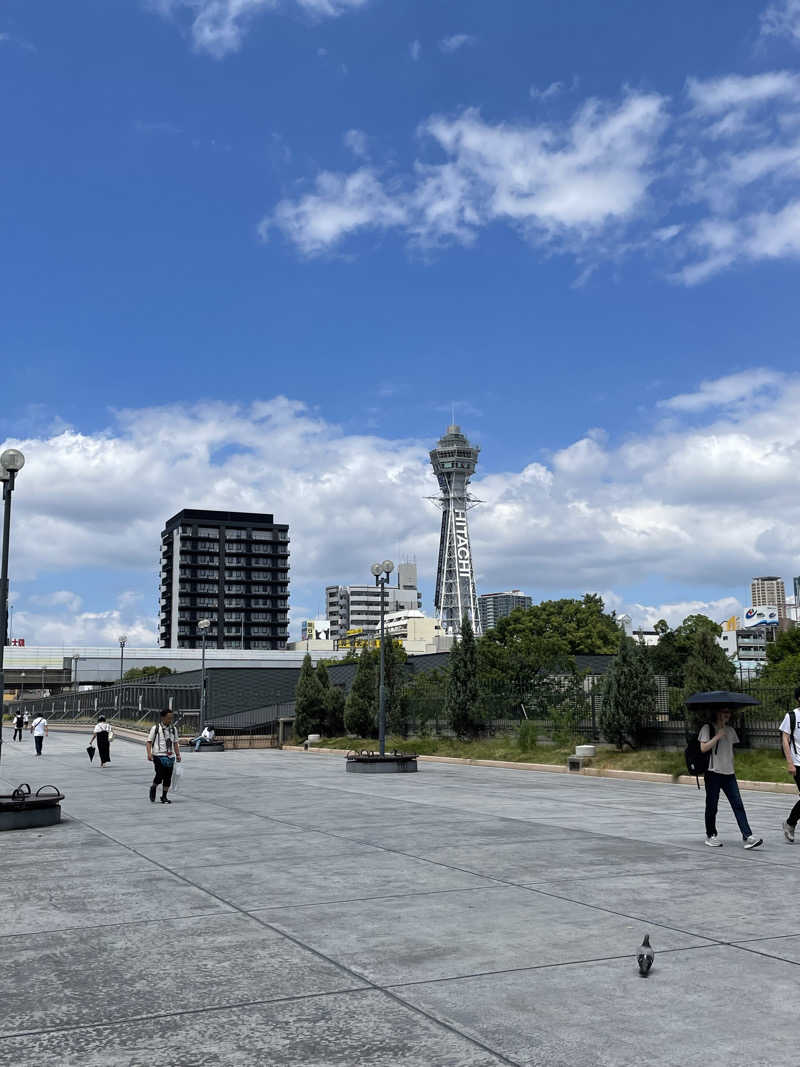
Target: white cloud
column 356, row 141
column 722, row 392
column 218, row 27
column 782, row 19
column 716, row 96
column 685, row 504
column 415, row 50
column 554, row 183
column 340, row 205
column 647, row 615
column 553, row 89
column 455, row 42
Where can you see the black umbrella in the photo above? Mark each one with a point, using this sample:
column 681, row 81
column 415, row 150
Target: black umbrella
column 90, row 750
column 720, row 696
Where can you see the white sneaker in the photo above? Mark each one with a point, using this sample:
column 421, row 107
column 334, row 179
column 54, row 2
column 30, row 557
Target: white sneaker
column 753, row 842
column 788, row 831
column 714, row 842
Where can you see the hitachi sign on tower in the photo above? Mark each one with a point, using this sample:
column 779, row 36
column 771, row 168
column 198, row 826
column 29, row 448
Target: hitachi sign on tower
column 454, row 460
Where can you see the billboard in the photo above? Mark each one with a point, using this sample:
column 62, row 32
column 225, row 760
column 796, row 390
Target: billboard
column 315, row 630
column 767, row 616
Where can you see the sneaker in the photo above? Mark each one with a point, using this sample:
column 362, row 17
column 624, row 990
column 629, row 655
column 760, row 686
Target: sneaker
column 753, row 842
column 788, row 831
column 165, row 800
column 714, row 842
column 152, row 794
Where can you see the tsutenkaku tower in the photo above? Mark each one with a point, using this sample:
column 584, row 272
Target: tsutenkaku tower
column 454, row 460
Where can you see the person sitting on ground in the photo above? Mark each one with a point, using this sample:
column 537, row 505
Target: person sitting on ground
column 205, row 738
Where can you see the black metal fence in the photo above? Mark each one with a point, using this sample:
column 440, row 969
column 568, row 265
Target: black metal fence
column 567, row 709
column 128, row 704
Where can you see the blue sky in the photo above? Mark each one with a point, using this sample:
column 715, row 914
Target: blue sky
column 560, row 216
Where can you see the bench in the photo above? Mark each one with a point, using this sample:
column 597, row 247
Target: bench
column 207, row 746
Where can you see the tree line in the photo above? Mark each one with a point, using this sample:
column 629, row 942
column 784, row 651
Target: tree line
column 525, row 668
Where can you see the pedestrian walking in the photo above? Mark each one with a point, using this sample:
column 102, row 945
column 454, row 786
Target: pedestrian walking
column 40, row 732
column 25, row 719
column 102, row 735
column 790, row 739
column 19, row 722
column 162, row 750
column 718, row 739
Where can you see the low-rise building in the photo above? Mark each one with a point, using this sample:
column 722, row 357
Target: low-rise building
column 358, row 607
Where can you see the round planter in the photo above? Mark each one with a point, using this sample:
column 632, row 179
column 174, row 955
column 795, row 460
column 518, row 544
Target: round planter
column 585, row 751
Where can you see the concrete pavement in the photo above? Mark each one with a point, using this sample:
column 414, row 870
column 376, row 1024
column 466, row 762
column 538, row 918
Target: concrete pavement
column 281, row 912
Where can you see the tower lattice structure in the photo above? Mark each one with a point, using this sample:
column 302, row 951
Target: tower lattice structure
column 454, row 460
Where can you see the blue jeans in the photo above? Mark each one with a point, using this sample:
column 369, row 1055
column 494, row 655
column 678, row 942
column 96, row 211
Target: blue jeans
column 730, row 787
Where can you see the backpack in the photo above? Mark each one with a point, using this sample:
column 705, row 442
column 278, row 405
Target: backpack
column 697, row 761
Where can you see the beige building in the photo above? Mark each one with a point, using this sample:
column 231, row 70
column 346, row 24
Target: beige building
column 769, row 592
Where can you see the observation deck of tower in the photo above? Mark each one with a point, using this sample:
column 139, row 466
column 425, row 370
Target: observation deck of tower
column 454, row 460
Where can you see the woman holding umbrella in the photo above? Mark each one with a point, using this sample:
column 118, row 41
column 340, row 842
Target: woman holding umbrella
column 717, row 738
column 102, row 736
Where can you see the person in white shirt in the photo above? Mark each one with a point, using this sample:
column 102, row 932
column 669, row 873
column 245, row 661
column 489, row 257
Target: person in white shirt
column 162, row 750
column 102, row 735
column 719, row 740
column 790, row 739
column 206, row 737
column 40, row 732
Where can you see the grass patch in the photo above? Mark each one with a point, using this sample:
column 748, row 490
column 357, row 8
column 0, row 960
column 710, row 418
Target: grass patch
column 753, row 765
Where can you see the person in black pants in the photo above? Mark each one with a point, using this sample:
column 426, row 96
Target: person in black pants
column 790, row 739
column 162, row 751
column 19, row 722
column 719, row 740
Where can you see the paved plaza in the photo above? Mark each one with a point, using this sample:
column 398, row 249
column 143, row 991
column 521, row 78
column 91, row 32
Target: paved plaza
column 283, row 912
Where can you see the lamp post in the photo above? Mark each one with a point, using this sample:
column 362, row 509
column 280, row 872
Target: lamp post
column 203, row 626
column 22, row 686
column 123, row 640
column 381, row 571
column 11, row 463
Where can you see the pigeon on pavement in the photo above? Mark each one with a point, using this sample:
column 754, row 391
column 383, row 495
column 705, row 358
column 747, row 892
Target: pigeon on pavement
column 645, row 957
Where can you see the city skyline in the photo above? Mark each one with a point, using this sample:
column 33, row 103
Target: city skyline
column 275, row 243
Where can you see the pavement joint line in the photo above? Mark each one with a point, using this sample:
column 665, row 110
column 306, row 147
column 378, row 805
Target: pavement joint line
column 380, row 896
column 343, row 968
column 540, row 967
column 124, row 1020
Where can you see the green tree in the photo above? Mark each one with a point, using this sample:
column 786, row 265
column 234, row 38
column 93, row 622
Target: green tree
column 309, row 712
column 136, row 673
column 708, row 667
column 675, row 647
column 334, row 711
column 322, row 675
column 583, row 626
column 461, row 702
column 629, row 696
column 360, row 713
column 395, row 675
column 425, row 695
column 785, row 645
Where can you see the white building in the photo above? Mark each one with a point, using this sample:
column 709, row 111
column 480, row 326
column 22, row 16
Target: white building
column 358, row 607
column 769, row 591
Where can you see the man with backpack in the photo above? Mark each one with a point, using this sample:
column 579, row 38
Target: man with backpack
column 19, row 722
column 717, row 740
column 790, row 740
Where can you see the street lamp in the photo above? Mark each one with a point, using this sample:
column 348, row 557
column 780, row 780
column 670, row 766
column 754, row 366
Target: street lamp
column 123, row 640
column 381, row 572
column 11, row 463
column 22, row 686
column 203, row 626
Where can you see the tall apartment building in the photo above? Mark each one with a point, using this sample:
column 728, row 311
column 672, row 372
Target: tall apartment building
column 231, row 567
column 494, row 606
column 769, row 592
column 358, row 607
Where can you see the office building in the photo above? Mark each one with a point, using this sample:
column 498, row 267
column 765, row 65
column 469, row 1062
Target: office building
column 230, row 567
column 769, row 592
column 454, row 460
column 358, row 607
column 494, row 606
